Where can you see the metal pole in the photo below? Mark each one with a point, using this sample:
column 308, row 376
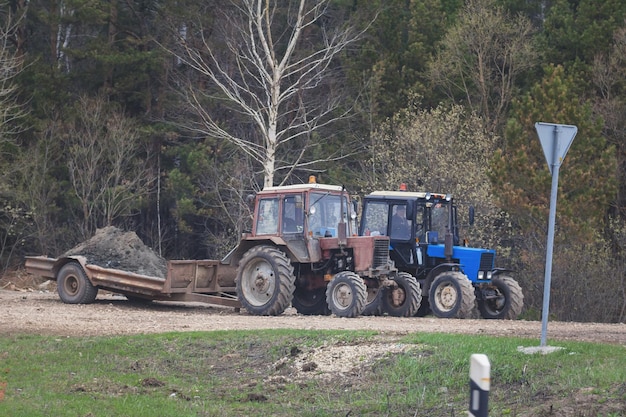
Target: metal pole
column 551, row 225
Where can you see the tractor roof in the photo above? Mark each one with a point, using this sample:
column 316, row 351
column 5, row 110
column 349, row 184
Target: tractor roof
column 405, row 195
column 399, row 194
column 301, row 188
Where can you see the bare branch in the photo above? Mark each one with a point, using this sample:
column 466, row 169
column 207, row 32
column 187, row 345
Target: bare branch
column 267, row 77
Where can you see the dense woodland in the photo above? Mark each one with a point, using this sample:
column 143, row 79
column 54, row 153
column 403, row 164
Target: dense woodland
column 161, row 116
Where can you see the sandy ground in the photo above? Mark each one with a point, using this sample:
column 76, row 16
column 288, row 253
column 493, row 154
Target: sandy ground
column 41, row 312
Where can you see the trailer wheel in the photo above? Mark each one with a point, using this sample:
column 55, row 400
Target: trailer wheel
column 451, row 295
column 346, row 294
column 373, row 302
column 310, row 302
column 404, row 299
column 265, row 282
column 502, row 299
column 74, row 286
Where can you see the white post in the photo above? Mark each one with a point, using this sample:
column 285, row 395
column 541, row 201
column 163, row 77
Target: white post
column 480, row 381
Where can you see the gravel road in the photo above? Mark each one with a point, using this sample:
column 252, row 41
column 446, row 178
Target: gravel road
column 43, row 313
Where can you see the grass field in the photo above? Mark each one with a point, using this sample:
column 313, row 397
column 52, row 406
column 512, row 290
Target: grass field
column 301, row 373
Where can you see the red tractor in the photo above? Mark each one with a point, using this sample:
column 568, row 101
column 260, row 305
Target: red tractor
column 302, row 251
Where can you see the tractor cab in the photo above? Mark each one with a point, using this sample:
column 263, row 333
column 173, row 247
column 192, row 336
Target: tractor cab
column 417, row 223
column 303, row 250
column 300, row 217
column 314, row 210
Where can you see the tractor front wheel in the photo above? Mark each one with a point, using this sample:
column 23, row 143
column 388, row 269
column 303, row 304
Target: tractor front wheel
column 502, row 299
column 265, row 282
column 403, row 299
column 452, row 296
column 346, row 294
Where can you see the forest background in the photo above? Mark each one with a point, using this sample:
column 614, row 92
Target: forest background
column 161, row 116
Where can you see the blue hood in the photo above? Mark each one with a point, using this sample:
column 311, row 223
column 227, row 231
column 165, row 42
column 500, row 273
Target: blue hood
column 469, row 258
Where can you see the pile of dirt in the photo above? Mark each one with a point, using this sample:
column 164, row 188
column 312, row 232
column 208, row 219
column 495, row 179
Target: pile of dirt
column 113, row 248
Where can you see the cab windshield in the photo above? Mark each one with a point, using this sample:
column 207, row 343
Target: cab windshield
column 325, row 212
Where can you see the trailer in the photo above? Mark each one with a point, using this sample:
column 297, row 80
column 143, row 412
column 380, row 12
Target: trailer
column 78, row 282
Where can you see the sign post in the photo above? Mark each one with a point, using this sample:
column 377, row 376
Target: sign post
column 555, row 141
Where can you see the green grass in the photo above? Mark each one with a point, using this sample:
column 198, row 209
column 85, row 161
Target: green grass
column 236, row 374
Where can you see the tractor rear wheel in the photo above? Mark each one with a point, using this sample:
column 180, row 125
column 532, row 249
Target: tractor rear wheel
column 346, row 294
column 74, row 286
column 265, row 282
column 452, row 295
column 502, row 299
column 310, row 302
column 403, row 299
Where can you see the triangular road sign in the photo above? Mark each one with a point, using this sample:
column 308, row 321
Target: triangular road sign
column 555, row 141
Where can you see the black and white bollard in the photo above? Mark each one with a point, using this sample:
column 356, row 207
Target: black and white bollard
column 480, row 380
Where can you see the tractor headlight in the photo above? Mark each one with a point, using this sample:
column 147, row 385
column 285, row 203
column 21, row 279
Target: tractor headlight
column 485, row 275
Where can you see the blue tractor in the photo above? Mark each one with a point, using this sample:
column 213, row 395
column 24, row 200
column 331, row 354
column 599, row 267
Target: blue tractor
column 424, row 242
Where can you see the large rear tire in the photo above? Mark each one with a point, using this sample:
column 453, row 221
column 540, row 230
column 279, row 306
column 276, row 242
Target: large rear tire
column 404, row 299
column 502, row 299
column 346, row 295
column 265, row 282
column 74, row 286
column 310, row 302
column 451, row 296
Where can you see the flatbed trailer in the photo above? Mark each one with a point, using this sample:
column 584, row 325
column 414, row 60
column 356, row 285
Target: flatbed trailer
column 78, row 282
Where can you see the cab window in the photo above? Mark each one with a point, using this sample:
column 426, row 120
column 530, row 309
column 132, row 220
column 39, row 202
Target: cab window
column 267, row 218
column 325, row 214
column 293, row 219
column 439, row 220
column 375, row 218
column 400, row 224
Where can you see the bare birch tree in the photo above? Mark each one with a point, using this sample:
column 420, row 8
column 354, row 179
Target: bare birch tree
column 269, row 73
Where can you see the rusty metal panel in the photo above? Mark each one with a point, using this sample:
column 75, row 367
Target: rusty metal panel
column 226, row 275
column 196, row 276
column 206, row 276
column 41, row 266
column 180, row 274
column 314, row 249
column 128, row 282
column 200, row 276
column 363, row 251
column 227, row 300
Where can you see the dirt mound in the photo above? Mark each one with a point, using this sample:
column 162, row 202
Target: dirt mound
column 111, row 247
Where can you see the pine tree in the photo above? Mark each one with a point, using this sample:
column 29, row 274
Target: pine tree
column 587, row 179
